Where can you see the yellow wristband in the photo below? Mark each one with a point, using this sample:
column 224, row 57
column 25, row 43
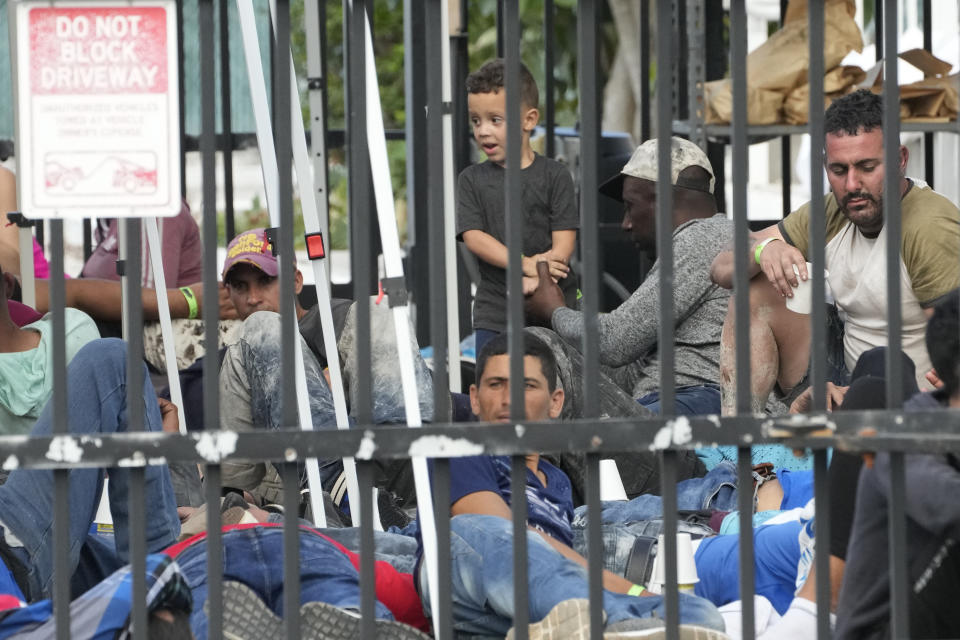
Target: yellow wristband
column 760, row 247
column 192, row 306
column 635, row 590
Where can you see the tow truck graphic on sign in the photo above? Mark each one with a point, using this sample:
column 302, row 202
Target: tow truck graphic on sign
column 100, row 173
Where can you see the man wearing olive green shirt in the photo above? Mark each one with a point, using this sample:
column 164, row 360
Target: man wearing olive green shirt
column 855, row 261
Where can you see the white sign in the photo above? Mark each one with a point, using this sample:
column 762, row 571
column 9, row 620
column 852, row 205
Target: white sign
column 98, row 127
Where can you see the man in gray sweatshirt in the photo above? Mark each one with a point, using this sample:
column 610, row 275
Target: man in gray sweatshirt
column 629, row 351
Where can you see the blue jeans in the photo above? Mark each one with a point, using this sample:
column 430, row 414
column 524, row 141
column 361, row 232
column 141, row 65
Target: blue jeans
column 482, row 584
column 254, row 556
column 262, row 362
column 693, row 400
column 96, row 404
column 717, row 490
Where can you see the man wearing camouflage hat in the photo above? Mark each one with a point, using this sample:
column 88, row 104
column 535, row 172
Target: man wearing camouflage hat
column 628, row 335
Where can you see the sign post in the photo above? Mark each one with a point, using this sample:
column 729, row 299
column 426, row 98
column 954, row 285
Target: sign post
column 98, row 125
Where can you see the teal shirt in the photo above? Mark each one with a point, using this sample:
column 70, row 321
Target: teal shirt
column 26, row 379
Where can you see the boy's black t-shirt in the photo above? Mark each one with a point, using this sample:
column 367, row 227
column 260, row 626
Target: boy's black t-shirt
column 548, row 204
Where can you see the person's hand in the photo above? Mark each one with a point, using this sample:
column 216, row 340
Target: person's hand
column 804, row 401
column 933, row 379
column 557, row 265
column 226, row 309
column 545, row 299
column 777, row 261
column 529, row 285
column 169, row 416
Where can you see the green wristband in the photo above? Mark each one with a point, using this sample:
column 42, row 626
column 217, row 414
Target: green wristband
column 635, row 590
column 760, row 247
column 194, row 308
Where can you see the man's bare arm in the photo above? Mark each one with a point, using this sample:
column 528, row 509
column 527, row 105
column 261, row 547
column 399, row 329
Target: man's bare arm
column 102, row 300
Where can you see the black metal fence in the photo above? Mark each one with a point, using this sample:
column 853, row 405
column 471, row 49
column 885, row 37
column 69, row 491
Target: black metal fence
column 897, row 432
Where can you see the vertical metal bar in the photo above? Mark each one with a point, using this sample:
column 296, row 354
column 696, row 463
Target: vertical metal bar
column 822, row 494
column 211, row 395
column 133, row 312
column 738, row 56
column 509, row 22
column 644, row 70
column 314, row 20
column 61, row 551
column 415, row 129
column 225, row 116
column 891, row 204
column 818, row 328
column 435, row 210
column 899, row 586
column 518, row 509
column 928, row 168
column 58, row 408
column 361, row 223
column 138, row 546
column 738, row 69
column 288, row 339
column 291, row 538
column 212, row 484
column 500, row 29
column 588, row 26
column 325, row 95
column 665, row 62
column 441, row 501
column 668, row 488
column 785, row 175
column 367, row 577
column 549, row 99
column 182, row 100
column 878, row 28
column 745, row 506
column 695, row 54
column 594, row 545
column 87, row 239
column 899, row 575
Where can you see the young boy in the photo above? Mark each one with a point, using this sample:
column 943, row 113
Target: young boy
column 550, row 219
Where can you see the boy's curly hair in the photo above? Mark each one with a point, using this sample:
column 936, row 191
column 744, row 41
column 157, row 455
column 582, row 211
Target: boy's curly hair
column 489, row 79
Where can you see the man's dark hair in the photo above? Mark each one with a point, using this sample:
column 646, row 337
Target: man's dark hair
column 532, row 346
column 943, row 341
column 855, row 113
column 489, row 79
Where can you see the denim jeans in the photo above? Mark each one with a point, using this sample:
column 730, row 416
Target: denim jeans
column 482, row 582
column 717, row 490
column 400, row 551
column 96, row 404
column 693, row 400
column 254, row 556
column 251, row 373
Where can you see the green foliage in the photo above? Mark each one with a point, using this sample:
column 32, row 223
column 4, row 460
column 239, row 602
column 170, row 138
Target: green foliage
column 389, row 53
column 483, row 46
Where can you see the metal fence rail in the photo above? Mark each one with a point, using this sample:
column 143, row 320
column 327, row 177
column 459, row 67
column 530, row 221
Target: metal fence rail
column 895, row 431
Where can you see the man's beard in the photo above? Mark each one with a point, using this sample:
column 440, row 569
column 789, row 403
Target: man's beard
column 856, row 216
